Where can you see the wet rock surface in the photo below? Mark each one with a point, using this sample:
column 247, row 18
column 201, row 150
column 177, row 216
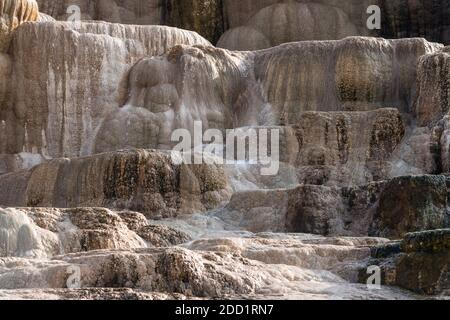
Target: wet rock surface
column 206, row 268
column 420, row 262
column 68, row 99
column 95, row 205
column 149, row 181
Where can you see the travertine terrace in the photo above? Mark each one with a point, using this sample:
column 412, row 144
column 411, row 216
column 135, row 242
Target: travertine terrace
column 90, row 180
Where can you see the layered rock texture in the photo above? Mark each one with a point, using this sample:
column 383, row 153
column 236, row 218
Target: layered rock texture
column 151, row 182
column 251, row 25
column 159, row 94
column 67, row 100
column 96, row 204
column 420, row 262
column 388, row 209
column 13, row 13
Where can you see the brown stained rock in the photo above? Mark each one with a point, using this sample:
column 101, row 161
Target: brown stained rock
column 388, row 209
column 322, row 210
column 347, row 148
column 387, row 132
column 420, row 262
column 425, row 268
column 161, row 236
column 156, row 235
column 427, row 241
column 314, row 209
column 361, row 203
column 353, row 74
column 141, row 180
column 443, row 145
column 433, row 101
column 412, row 203
column 5, row 73
column 45, row 218
column 257, row 211
column 404, row 19
column 326, row 211
column 133, row 220
column 12, row 14
column 204, row 17
column 100, row 229
column 424, row 273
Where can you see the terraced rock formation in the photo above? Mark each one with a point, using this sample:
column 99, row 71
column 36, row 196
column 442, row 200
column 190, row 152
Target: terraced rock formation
column 95, row 204
column 251, row 25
